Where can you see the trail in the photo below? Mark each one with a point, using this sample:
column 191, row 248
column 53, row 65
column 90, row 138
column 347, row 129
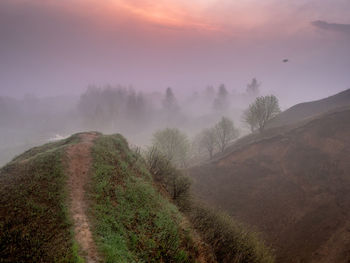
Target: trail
column 79, row 156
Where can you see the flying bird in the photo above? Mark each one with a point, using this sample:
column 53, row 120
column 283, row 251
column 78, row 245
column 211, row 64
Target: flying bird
column 285, row 60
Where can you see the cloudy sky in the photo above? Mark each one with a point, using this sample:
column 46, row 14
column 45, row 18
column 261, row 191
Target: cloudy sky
column 55, row 47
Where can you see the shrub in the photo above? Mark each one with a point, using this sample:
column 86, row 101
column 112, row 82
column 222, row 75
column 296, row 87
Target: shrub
column 165, row 174
column 230, row 241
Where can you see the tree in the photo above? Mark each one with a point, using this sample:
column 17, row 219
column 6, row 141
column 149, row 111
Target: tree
column 261, row 111
column 253, row 88
column 173, row 144
column 250, row 119
column 225, row 132
column 221, row 102
column 170, row 102
column 208, row 141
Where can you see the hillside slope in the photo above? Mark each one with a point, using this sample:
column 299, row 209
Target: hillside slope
column 91, row 199
column 310, row 109
column 87, row 199
column 34, row 215
column 293, row 186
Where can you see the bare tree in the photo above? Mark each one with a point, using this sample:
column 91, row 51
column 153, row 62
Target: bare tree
column 173, row 144
column 225, row 132
column 166, row 174
column 261, row 111
column 208, row 141
column 250, row 119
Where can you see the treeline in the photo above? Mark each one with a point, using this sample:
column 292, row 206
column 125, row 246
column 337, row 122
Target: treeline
column 176, row 146
column 137, row 115
column 123, row 109
column 180, row 150
column 119, row 107
column 113, row 107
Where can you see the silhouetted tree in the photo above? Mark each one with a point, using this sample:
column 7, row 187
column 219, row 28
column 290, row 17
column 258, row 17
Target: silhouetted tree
column 225, row 132
column 170, row 102
column 221, row 102
column 261, row 111
column 207, row 141
column 253, row 88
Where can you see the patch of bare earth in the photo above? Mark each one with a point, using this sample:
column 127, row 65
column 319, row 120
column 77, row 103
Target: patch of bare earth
column 79, row 162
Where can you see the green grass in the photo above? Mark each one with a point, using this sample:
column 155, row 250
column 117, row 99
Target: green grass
column 34, row 220
column 132, row 221
column 229, row 240
column 51, row 146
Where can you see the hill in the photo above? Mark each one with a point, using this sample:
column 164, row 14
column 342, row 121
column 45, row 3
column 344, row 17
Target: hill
column 89, row 198
column 293, row 185
column 46, row 215
column 311, row 109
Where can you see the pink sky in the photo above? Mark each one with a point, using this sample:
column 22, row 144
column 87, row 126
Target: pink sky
column 59, row 46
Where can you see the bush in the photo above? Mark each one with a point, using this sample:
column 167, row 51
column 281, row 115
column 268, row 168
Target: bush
column 165, row 174
column 230, row 241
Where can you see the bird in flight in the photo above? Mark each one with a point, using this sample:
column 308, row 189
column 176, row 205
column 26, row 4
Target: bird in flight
column 285, row 60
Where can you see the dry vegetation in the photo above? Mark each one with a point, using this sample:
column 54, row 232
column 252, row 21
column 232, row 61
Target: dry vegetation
column 292, row 185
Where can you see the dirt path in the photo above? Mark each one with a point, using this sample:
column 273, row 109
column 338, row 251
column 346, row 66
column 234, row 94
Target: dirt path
column 78, row 168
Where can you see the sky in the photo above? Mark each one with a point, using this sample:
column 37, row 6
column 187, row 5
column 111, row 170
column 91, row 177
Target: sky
column 59, row 47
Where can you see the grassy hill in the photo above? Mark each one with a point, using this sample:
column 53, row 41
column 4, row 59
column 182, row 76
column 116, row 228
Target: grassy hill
column 33, row 207
column 293, row 185
column 90, row 198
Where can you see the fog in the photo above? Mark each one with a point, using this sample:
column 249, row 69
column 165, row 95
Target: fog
column 111, row 109
column 68, row 66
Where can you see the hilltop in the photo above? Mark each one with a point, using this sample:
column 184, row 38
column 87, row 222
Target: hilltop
column 306, row 110
column 90, row 198
column 292, row 184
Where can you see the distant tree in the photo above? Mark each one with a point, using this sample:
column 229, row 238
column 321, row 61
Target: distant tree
column 253, row 88
column 225, row 132
column 207, row 140
column 209, row 92
column 170, row 102
column 113, row 108
column 132, row 105
column 250, row 118
column 221, row 101
column 261, row 111
column 173, row 144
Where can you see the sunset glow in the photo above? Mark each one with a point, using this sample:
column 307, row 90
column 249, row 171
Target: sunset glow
column 173, row 14
column 179, row 43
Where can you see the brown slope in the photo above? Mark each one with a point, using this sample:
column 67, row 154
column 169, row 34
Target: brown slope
column 294, row 187
column 310, row 109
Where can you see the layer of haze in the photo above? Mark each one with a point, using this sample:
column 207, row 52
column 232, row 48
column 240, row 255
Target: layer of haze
column 57, row 47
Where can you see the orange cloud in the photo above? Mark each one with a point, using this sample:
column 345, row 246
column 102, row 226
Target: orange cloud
column 173, row 14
